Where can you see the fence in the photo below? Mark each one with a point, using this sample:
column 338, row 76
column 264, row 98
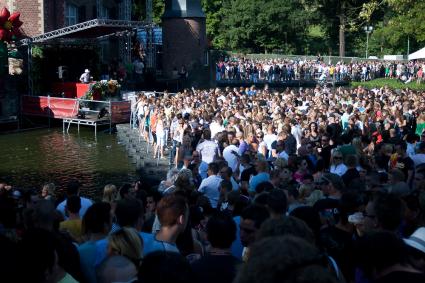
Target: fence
column 260, row 56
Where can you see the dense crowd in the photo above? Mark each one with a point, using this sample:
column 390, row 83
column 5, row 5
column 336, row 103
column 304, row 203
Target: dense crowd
column 303, row 185
column 279, row 70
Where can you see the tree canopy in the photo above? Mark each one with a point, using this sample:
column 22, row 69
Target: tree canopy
column 332, row 27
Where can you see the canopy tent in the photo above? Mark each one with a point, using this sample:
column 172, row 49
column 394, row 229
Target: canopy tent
column 420, row 54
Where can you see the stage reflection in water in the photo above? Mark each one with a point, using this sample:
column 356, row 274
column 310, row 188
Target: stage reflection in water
column 32, row 158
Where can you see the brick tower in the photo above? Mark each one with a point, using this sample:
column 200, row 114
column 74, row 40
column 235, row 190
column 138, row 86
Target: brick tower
column 184, row 35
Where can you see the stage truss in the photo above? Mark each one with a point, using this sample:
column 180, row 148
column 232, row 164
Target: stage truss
column 96, row 23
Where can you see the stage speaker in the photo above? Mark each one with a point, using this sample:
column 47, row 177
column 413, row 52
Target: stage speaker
column 62, row 72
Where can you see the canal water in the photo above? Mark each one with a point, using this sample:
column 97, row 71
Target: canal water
column 29, row 159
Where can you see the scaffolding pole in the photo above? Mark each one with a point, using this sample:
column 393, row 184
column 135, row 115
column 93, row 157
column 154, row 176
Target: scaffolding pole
column 99, row 9
column 30, row 80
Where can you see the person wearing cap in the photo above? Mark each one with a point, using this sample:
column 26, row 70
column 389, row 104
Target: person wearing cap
column 332, row 186
column 85, row 77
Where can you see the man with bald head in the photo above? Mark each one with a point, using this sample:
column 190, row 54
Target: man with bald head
column 116, row 269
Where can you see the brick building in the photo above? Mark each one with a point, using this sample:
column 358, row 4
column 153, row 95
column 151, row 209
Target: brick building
column 184, row 36
column 40, row 16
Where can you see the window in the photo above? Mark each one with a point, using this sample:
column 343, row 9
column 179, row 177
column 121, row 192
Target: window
column 71, row 15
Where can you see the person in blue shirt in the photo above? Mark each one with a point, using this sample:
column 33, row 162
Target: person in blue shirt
column 173, row 215
column 262, row 168
column 128, row 213
column 96, row 225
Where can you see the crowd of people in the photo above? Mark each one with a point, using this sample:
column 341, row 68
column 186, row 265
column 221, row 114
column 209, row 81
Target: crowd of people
column 284, row 69
column 300, row 185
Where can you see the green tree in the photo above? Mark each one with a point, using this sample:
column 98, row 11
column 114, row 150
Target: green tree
column 214, row 14
column 139, row 10
column 339, row 17
column 264, row 25
column 396, row 23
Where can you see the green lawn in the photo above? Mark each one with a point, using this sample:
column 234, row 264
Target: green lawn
column 391, row 83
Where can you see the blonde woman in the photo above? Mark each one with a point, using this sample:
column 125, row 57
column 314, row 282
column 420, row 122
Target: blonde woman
column 337, row 163
column 109, row 193
column 160, row 136
column 48, row 191
column 126, row 242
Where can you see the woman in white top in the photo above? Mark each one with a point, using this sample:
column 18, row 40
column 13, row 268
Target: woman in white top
column 262, row 146
column 160, row 136
column 337, row 165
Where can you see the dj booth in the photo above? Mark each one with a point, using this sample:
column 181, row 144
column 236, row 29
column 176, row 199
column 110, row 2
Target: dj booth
column 70, row 89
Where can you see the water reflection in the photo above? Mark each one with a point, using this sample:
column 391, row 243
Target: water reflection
column 32, row 158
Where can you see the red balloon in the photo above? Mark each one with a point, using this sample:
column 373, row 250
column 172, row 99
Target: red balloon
column 14, row 17
column 8, row 35
column 4, row 15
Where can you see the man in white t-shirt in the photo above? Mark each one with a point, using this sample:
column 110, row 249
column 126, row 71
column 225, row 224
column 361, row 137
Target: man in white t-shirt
column 208, row 148
column 216, row 126
column 230, row 154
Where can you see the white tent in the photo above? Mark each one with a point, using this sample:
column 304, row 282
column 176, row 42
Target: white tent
column 420, row 54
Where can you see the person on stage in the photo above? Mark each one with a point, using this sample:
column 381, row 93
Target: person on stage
column 85, row 78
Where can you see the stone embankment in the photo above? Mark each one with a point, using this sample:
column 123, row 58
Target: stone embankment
column 151, row 169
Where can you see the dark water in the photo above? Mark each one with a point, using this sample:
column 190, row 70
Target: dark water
column 29, row 159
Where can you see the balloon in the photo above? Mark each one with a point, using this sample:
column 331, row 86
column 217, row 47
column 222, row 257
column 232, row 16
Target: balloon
column 14, row 17
column 9, row 25
column 4, row 15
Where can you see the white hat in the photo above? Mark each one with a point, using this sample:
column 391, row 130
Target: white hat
column 417, row 239
column 86, row 71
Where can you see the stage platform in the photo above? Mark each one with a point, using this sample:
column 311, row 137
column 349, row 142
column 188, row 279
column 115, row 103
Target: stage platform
column 77, row 111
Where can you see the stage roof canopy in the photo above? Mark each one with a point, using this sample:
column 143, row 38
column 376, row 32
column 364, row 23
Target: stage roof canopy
column 93, row 29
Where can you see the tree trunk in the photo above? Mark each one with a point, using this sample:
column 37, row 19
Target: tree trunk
column 342, row 22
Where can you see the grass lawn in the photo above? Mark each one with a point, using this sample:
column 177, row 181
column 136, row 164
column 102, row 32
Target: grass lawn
column 391, row 83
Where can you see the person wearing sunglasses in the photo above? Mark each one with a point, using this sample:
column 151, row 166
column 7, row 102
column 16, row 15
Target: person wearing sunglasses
column 331, row 186
column 337, row 164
